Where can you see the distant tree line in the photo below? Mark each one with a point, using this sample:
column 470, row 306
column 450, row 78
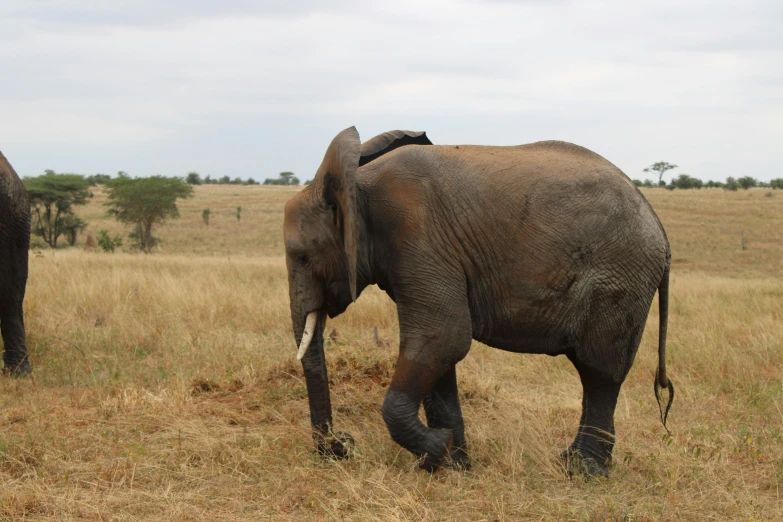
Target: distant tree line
column 194, row 178
column 141, row 203
column 284, row 178
column 686, row 181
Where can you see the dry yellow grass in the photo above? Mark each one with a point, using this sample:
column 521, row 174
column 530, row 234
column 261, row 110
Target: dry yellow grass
column 166, row 388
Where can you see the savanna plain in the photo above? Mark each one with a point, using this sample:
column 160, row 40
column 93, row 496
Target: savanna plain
column 166, row 387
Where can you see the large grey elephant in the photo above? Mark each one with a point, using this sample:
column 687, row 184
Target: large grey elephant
column 14, row 244
column 543, row 248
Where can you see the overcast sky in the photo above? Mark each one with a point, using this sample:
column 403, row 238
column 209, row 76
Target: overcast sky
column 257, row 87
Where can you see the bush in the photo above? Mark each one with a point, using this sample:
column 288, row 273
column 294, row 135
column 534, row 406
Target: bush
column 97, row 179
column 747, row 182
column 193, row 178
column 776, row 183
column 37, row 243
column 684, row 181
column 71, row 226
column 107, row 243
column 731, row 184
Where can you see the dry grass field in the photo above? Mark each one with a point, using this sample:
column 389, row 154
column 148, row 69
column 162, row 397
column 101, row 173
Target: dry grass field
column 166, row 387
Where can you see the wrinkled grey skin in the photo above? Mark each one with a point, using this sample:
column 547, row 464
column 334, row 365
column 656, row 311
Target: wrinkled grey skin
column 14, row 244
column 543, row 248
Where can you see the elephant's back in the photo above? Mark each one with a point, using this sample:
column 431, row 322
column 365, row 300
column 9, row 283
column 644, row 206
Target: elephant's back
column 564, row 182
column 550, row 191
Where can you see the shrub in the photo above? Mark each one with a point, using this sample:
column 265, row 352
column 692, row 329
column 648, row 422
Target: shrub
column 71, row 226
column 38, row 243
column 684, row 181
column 97, row 179
column 107, row 243
column 731, row 184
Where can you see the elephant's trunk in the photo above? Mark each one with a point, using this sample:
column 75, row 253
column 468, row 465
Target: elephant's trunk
column 314, row 365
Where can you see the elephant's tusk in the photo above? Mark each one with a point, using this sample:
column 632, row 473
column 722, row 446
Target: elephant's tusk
column 307, row 335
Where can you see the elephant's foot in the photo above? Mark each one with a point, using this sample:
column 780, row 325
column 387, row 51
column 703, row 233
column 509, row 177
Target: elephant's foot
column 435, row 449
column 338, row 445
column 457, row 459
column 21, row 369
column 577, row 463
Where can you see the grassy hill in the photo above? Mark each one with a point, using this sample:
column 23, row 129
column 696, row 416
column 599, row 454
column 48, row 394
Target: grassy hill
column 165, row 387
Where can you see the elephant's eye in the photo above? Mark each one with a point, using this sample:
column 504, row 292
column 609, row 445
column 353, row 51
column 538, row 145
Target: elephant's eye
column 302, row 258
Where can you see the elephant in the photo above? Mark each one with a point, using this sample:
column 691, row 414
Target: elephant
column 543, row 248
column 14, row 245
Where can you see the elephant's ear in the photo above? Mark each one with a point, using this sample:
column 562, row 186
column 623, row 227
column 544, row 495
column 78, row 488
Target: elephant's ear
column 336, row 182
column 376, row 147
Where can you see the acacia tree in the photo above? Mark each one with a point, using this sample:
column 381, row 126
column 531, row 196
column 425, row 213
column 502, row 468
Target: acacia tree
column 145, row 203
column 660, row 167
column 52, row 197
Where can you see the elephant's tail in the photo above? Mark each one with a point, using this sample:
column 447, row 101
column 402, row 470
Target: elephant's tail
column 661, row 380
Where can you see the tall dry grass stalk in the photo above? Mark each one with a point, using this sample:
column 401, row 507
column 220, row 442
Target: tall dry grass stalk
column 166, row 389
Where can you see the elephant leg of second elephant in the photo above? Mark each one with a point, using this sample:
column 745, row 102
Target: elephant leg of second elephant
column 443, row 411
column 13, row 280
column 591, row 451
column 15, row 358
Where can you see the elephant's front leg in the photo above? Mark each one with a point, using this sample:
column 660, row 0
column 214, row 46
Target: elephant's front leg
column 443, row 411
column 424, row 361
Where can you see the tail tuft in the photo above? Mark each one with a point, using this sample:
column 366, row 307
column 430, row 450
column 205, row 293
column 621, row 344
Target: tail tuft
column 658, row 387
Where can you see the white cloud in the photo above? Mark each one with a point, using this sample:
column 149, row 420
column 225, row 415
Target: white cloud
column 269, row 83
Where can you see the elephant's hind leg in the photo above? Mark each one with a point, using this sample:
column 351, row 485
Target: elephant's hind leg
column 591, row 451
column 443, row 412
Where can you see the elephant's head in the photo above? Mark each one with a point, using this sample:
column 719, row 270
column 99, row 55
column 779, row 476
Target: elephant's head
column 323, row 233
